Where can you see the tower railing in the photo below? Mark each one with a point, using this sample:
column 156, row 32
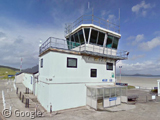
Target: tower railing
column 62, row 44
column 91, row 19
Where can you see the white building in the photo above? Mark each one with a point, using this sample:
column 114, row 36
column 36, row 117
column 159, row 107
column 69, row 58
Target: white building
column 87, row 57
column 29, row 79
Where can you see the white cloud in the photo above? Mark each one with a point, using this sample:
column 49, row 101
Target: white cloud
column 135, row 57
column 131, row 38
column 111, row 17
column 20, row 40
column 142, row 8
column 136, row 39
column 104, row 13
column 139, row 37
column 139, row 67
column 149, row 45
column 157, row 33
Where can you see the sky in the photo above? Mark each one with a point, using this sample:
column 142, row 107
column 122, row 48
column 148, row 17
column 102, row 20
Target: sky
column 24, row 23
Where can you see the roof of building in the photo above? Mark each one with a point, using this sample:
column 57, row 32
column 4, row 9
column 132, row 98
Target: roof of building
column 32, row 70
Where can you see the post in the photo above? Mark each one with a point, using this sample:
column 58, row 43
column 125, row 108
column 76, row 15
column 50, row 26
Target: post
column 26, row 103
column 17, row 91
column 50, row 109
column 20, row 95
column 120, row 73
column 22, row 98
column 28, row 90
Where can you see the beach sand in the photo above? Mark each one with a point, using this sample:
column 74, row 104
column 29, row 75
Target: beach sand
column 148, row 82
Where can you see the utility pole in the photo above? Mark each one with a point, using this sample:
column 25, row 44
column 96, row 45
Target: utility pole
column 21, row 64
column 120, row 72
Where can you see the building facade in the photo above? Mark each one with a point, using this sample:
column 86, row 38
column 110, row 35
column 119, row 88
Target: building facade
column 87, row 57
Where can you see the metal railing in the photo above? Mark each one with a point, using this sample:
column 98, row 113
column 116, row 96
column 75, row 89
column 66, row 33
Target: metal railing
column 57, row 43
column 91, row 19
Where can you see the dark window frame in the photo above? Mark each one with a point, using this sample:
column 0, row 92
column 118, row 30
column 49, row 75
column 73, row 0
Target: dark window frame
column 41, row 62
column 68, row 62
column 91, row 74
column 108, row 63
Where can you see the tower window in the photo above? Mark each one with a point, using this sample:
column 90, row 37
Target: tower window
column 109, row 66
column 80, row 33
column 93, row 38
column 115, row 43
column 71, row 62
column 101, row 38
column 109, row 42
column 93, row 72
column 86, row 30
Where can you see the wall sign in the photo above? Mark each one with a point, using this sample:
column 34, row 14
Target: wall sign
column 113, row 99
column 110, row 80
column 104, row 80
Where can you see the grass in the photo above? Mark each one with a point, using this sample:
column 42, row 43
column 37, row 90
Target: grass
column 4, row 72
column 130, row 87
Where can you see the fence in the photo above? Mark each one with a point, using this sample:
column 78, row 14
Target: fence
column 92, row 19
column 87, row 48
column 141, row 95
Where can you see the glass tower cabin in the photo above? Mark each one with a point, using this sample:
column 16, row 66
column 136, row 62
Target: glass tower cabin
column 94, row 35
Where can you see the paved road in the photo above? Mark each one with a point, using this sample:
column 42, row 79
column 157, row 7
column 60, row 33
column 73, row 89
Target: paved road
column 143, row 111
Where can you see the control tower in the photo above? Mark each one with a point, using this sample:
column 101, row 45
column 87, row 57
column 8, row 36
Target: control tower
column 87, row 56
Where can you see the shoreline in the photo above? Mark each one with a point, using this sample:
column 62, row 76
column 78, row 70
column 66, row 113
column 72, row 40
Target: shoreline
column 148, row 82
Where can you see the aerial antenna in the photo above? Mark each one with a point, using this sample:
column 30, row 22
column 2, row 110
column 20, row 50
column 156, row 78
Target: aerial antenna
column 21, row 64
column 119, row 20
column 88, row 5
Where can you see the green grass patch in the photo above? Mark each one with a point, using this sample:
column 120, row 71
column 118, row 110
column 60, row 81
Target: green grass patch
column 130, row 87
column 4, row 72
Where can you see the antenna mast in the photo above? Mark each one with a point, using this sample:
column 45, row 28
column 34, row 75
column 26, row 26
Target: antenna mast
column 21, row 64
column 119, row 20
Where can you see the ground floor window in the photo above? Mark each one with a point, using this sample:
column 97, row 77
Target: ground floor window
column 109, row 66
column 93, row 72
column 41, row 63
column 72, row 62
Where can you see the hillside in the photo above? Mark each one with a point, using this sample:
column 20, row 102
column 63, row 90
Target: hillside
column 5, row 71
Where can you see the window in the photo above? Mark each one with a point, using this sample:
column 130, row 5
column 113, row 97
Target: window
column 72, row 39
column 72, row 43
column 86, row 30
column 101, row 38
column 109, row 66
column 76, row 37
column 31, row 79
column 80, row 33
column 115, row 43
column 109, row 41
column 41, row 63
column 93, row 38
column 93, row 72
column 72, row 62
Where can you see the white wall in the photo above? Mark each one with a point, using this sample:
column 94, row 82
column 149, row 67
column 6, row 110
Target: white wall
column 97, row 49
column 36, row 83
column 28, row 81
column 19, row 78
column 64, row 87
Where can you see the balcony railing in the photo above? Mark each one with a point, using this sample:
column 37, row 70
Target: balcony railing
column 83, row 48
column 92, row 19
